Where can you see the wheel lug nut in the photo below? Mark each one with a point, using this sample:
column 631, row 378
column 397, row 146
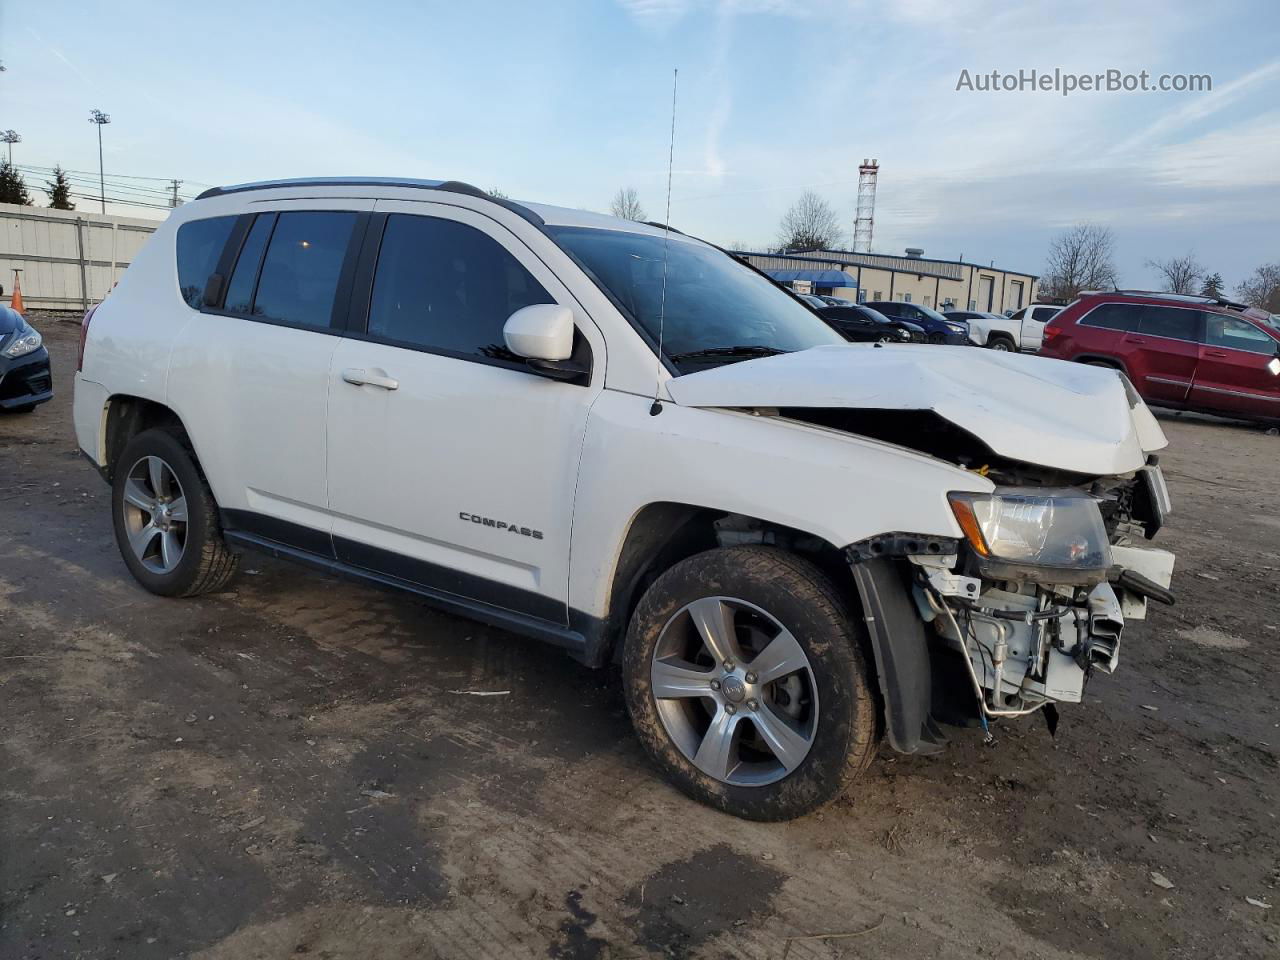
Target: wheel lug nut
column 753, row 705
column 730, row 709
column 728, row 664
column 715, row 684
column 751, row 678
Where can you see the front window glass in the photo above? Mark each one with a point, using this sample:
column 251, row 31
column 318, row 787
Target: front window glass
column 1235, row 334
column 713, row 302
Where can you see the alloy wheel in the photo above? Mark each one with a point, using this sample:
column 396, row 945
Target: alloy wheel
column 735, row 691
column 155, row 514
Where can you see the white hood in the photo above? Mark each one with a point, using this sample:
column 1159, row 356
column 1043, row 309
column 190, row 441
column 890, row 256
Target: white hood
column 1048, row 412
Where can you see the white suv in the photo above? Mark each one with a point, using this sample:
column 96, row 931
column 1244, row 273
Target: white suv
column 624, row 441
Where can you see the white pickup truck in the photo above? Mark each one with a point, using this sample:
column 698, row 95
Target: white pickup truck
column 1022, row 331
column 621, row 440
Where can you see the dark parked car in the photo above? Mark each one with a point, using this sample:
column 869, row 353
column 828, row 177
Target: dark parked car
column 835, row 301
column 864, row 324
column 937, row 328
column 1194, row 353
column 25, row 378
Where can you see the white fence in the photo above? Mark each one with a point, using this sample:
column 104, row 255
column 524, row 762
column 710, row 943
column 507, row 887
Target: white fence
column 69, row 259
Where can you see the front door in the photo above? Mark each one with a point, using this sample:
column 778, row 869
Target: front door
column 451, row 464
column 1238, row 370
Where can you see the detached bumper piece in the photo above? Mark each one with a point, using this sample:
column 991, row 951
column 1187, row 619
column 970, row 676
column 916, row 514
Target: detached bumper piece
column 26, row 381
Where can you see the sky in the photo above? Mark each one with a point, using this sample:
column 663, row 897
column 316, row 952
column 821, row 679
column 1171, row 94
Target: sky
column 565, row 102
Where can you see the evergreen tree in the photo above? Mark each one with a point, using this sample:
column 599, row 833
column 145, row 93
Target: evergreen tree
column 1212, row 285
column 59, row 190
column 13, row 189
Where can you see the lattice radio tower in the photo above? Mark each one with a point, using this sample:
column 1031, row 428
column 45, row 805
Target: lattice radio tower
column 866, row 206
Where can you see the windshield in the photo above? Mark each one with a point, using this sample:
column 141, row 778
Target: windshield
column 713, row 302
column 931, row 313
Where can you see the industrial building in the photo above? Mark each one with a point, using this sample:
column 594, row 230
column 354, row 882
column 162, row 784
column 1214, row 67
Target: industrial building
column 941, row 284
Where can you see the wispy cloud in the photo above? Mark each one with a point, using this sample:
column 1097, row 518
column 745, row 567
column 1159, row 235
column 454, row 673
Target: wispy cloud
column 1199, row 108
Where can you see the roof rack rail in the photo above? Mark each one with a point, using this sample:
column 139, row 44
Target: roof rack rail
column 662, row 226
column 1189, row 297
column 449, row 186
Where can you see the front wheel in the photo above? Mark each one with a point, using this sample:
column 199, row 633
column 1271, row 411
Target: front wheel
column 166, row 521
column 746, row 683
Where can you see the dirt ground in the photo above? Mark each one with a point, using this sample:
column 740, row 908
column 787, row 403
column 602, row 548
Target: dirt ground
column 297, row 767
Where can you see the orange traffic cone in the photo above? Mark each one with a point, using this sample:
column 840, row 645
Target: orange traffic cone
column 15, row 301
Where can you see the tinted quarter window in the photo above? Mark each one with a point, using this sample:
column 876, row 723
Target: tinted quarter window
column 1170, row 322
column 448, row 287
column 199, row 245
column 1232, row 334
column 244, row 275
column 301, row 269
column 1112, row 316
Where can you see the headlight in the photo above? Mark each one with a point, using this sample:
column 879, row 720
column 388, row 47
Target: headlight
column 1031, row 533
column 27, row 340
column 957, row 327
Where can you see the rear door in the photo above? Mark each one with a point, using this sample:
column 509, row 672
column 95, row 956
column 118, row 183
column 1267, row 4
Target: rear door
column 1238, row 371
column 1163, row 352
column 249, row 373
column 849, row 322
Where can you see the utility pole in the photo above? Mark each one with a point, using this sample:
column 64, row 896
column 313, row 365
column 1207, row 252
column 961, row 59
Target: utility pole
column 10, row 137
column 174, row 201
column 101, row 119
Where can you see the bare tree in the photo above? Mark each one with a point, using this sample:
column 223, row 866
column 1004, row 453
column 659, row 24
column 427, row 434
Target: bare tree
column 626, row 204
column 1262, row 289
column 739, row 245
column 498, row 194
column 810, row 224
column 1179, row 274
column 1081, row 258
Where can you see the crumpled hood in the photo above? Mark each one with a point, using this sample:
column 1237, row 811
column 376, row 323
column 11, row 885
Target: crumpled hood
column 1048, row 412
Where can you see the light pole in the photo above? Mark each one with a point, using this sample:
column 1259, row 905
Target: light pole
column 101, row 119
column 10, row 137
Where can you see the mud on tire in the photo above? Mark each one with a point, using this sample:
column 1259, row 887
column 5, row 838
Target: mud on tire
column 803, row 601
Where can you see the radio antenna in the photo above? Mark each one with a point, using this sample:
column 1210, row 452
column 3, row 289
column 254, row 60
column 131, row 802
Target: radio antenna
column 666, row 239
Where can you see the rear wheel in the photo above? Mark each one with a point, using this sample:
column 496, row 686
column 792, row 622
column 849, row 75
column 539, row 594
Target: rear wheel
column 166, row 521
column 1003, row 344
column 746, row 683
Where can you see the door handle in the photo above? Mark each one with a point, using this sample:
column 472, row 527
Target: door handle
column 1134, row 340
column 363, row 378
column 1216, row 353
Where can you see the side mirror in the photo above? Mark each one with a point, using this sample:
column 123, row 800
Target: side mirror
column 542, row 331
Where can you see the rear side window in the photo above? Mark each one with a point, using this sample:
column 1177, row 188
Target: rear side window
column 1113, row 316
column 1232, row 334
column 1172, row 322
column 1045, row 314
column 300, row 272
column 447, row 287
column 245, row 275
column 199, row 245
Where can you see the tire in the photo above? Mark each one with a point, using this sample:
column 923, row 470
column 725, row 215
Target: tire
column 937, row 338
column 24, row 409
column 1003, row 344
column 169, row 555
column 762, row 588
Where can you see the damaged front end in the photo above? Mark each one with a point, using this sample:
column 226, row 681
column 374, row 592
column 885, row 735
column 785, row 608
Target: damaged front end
column 1021, row 610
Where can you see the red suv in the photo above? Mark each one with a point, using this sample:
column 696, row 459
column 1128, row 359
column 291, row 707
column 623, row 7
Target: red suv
column 1193, row 353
